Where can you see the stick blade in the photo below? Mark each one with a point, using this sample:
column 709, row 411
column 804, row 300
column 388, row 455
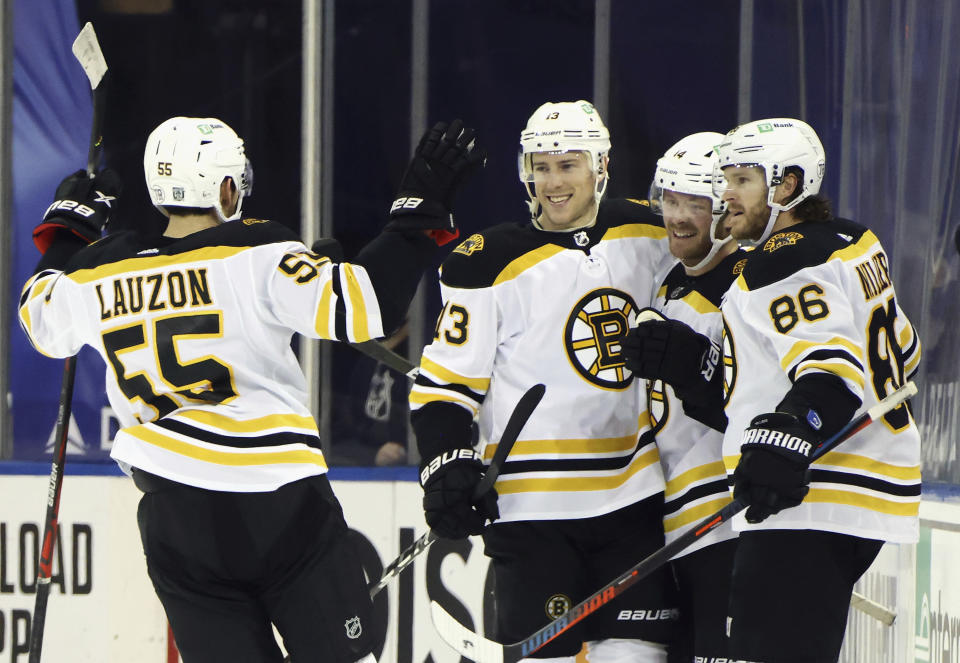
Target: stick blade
column 466, row 642
column 86, row 49
column 881, row 613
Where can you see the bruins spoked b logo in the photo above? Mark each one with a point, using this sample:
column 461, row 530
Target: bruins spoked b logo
column 557, row 606
column 592, row 337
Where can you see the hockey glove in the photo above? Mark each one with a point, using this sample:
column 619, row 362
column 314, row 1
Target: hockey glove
column 671, row 351
column 449, row 481
column 773, row 472
column 82, row 208
column 445, row 157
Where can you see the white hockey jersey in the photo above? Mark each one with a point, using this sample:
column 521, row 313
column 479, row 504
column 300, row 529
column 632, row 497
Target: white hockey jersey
column 819, row 298
column 522, row 306
column 181, row 325
column 690, row 451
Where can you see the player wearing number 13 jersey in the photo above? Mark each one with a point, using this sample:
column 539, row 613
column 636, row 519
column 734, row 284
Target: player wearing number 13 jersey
column 239, row 524
column 814, row 333
column 580, row 495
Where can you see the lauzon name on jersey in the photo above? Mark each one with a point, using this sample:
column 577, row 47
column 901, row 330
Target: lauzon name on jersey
column 175, row 289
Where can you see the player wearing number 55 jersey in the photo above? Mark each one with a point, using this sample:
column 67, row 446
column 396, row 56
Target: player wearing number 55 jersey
column 239, row 524
column 814, row 333
column 580, row 495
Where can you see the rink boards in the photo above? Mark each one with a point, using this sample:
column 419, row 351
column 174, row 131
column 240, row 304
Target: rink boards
column 102, row 607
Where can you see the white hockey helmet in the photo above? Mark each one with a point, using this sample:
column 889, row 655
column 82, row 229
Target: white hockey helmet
column 565, row 126
column 774, row 144
column 690, row 166
column 187, row 158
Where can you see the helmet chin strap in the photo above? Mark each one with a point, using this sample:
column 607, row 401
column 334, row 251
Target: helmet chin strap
column 717, row 244
column 752, row 243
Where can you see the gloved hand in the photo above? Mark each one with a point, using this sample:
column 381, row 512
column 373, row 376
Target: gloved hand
column 445, row 157
column 449, row 481
column 82, row 207
column 671, row 351
column 773, row 472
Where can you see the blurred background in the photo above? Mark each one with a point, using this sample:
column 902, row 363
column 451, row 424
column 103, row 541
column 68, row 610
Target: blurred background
column 330, row 97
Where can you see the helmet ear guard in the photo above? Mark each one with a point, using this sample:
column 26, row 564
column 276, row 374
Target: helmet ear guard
column 187, row 159
column 565, row 126
column 775, row 145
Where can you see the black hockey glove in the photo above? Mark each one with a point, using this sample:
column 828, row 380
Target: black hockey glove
column 82, row 208
column 448, row 482
column 773, row 472
column 445, row 157
column 671, row 351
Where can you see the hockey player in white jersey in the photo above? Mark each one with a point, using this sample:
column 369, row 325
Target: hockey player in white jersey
column 813, row 334
column 547, row 300
column 239, row 524
column 689, row 434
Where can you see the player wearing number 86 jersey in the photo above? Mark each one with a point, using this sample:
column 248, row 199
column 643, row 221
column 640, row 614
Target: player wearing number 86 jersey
column 814, row 333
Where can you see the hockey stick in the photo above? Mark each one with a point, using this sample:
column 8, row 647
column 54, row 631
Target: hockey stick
column 386, row 356
column 879, row 612
column 481, row 650
column 86, row 48
column 521, row 413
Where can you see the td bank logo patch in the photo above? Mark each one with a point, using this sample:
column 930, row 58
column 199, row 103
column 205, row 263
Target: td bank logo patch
column 592, row 337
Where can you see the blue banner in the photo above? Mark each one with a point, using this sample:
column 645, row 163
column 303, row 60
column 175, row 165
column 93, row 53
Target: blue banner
column 52, row 111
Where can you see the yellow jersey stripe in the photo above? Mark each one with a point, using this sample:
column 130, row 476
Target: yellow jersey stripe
column 154, row 262
column 873, row 503
column 433, row 368
column 714, row 470
column 423, row 398
column 526, row 261
column 257, row 425
column 863, row 245
column 234, row 458
column 864, row 463
column 324, row 311
column 571, row 446
column 852, row 461
column 695, row 513
column 635, row 230
column 361, row 330
column 802, row 346
column 699, row 303
column 566, row 484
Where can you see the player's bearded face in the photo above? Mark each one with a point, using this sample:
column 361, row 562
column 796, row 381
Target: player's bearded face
column 746, row 198
column 565, row 185
column 687, row 218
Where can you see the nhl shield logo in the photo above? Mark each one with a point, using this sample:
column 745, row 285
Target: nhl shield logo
column 353, row 628
column 581, row 238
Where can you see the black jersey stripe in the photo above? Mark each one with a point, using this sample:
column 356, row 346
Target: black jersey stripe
column 238, row 441
column 821, row 355
column 709, row 489
column 861, row 481
column 463, row 390
column 577, row 464
column 340, row 309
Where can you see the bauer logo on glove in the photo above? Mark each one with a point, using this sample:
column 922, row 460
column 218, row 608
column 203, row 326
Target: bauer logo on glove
column 443, row 459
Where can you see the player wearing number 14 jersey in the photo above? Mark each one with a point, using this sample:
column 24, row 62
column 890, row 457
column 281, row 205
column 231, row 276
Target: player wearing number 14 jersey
column 239, row 524
column 814, row 333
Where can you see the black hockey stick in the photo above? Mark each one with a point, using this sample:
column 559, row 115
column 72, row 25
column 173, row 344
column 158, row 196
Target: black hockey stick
column 86, row 48
column 518, row 418
column 479, row 649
